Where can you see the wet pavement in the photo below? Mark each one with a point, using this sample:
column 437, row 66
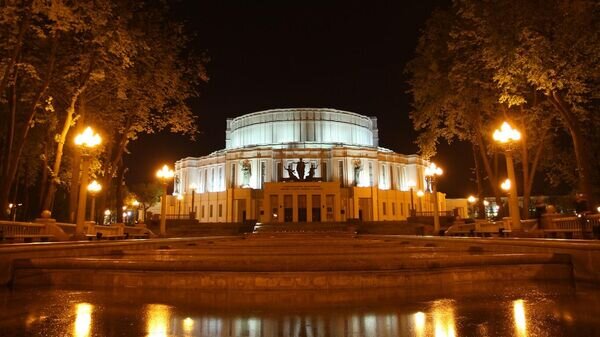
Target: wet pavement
column 493, row 309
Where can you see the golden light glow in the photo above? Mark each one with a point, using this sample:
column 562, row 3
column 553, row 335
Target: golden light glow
column 420, row 193
column 165, row 173
column 486, row 203
column 420, row 323
column 506, row 134
column 179, row 197
column 107, row 212
column 598, row 209
column 444, row 318
column 135, row 203
column 188, row 326
column 433, row 170
column 83, row 320
column 94, row 187
column 505, row 185
column 471, row 199
column 157, row 320
column 88, row 138
column 519, row 318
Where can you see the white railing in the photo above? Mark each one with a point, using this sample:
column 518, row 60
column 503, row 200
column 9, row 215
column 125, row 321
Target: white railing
column 13, row 229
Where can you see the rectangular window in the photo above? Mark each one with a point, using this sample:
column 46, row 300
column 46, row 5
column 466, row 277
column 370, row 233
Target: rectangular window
column 212, row 180
column 202, row 211
column 399, row 179
column 324, row 171
column 402, row 209
column 220, row 210
column 220, row 184
column 384, row 208
column 393, row 208
column 210, row 211
column 371, row 174
column 263, row 173
column 233, row 183
column 341, row 172
column 274, row 201
column 383, row 177
column 279, row 171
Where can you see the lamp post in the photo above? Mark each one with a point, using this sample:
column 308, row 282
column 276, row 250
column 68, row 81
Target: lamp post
column 431, row 172
column 471, row 200
column 164, row 175
column 420, row 195
column 86, row 141
column 94, row 187
column 507, row 136
column 179, row 198
column 136, row 205
column 411, row 185
column 193, row 187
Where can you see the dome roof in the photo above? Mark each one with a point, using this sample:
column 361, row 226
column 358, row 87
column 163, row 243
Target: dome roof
column 318, row 127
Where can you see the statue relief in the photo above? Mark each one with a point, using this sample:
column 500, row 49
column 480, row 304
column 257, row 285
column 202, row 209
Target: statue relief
column 357, row 164
column 246, row 172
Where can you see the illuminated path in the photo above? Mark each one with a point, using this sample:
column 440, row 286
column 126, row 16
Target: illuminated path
column 292, row 261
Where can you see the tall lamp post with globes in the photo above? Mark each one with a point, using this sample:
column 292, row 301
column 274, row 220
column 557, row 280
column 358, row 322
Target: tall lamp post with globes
column 507, row 136
column 165, row 175
column 86, row 141
column 94, row 187
column 431, row 172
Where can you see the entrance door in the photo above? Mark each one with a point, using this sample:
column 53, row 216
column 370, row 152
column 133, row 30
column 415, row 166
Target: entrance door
column 316, row 208
column 241, row 210
column 365, row 209
column 288, row 208
column 302, row 208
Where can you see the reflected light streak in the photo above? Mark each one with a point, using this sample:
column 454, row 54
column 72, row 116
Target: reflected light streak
column 419, row 321
column 157, row 320
column 83, row 320
column 519, row 318
column 444, row 318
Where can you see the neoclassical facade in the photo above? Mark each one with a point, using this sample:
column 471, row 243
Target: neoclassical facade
column 301, row 165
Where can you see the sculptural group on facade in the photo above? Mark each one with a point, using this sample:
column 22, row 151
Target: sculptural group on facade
column 299, row 173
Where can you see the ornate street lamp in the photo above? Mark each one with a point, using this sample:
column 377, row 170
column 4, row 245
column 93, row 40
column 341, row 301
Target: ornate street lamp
column 411, row 185
column 94, row 187
column 193, row 187
column 165, row 175
column 431, row 172
column 86, row 141
column 507, row 136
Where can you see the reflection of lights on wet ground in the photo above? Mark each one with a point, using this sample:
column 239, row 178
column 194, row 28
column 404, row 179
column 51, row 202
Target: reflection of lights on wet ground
column 83, row 320
column 443, row 318
column 519, row 318
column 420, row 321
column 157, row 320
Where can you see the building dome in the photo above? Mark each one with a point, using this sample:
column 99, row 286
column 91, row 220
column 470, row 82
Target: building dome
column 311, row 127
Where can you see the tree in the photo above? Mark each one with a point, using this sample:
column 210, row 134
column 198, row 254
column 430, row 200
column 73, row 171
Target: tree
column 148, row 194
column 483, row 61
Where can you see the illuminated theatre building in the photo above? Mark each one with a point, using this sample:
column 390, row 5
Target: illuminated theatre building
column 302, row 165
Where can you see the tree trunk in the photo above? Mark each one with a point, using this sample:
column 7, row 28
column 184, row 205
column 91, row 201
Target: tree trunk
column 119, row 192
column 75, row 163
column 486, row 164
column 480, row 205
column 63, row 137
column 580, row 147
column 14, row 156
column 18, row 45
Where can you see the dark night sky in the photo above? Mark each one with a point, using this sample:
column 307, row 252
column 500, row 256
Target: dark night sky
column 265, row 55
